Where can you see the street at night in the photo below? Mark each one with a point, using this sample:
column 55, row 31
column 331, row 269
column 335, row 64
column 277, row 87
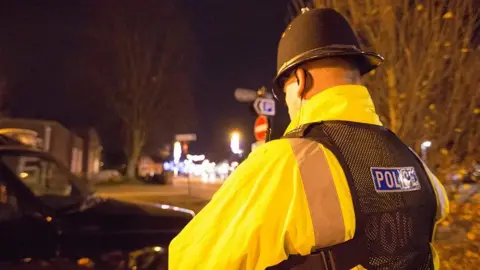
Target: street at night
column 193, row 195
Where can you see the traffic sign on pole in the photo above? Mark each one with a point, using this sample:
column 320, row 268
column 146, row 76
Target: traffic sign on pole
column 262, row 92
column 261, row 128
column 186, row 137
column 264, row 106
column 245, row 95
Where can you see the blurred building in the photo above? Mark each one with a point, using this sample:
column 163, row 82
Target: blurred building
column 150, row 165
column 91, row 160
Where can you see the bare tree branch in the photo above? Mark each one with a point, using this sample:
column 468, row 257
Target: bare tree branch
column 428, row 86
column 145, row 44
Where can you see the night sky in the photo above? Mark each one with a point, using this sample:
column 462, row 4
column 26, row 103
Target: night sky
column 235, row 43
column 238, row 41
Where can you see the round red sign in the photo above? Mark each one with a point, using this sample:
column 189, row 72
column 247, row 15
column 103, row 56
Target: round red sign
column 260, row 128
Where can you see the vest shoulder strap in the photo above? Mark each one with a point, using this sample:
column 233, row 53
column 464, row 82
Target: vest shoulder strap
column 345, row 255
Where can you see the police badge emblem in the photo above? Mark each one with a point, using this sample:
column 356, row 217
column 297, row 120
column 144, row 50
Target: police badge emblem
column 397, row 179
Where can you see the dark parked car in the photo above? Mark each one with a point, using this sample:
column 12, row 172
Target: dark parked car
column 49, row 219
column 163, row 178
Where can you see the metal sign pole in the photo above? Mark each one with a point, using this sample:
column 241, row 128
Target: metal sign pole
column 270, row 128
column 261, row 102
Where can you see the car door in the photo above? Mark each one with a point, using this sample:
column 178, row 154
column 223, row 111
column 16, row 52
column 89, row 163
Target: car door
column 25, row 233
column 42, row 189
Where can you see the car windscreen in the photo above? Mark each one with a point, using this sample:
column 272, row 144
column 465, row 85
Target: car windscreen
column 52, row 183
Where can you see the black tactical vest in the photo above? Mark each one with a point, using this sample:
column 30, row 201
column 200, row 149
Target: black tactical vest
column 393, row 199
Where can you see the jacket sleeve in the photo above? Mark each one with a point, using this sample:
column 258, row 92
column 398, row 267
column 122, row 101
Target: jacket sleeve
column 255, row 219
column 442, row 210
column 443, row 206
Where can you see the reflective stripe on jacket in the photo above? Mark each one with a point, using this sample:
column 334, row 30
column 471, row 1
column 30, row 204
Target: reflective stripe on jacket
column 288, row 196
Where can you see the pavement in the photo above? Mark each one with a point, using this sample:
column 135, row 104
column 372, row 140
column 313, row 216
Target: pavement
column 190, row 193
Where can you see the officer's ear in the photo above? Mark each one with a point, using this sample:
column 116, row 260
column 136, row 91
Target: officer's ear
column 301, row 76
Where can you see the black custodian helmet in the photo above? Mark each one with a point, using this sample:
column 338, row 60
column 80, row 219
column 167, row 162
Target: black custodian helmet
column 320, row 33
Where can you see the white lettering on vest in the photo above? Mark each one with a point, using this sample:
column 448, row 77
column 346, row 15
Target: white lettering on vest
column 397, row 181
column 390, row 231
column 379, row 177
column 389, row 179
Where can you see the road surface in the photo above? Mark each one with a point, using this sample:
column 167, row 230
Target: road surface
column 192, row 194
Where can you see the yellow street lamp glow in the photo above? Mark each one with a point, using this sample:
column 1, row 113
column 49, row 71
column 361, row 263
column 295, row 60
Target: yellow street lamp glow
column 235, row 142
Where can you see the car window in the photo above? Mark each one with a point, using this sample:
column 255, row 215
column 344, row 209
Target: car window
column 42, row 177
column 45, row 179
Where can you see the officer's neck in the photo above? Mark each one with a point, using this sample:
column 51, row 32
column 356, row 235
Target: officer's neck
column 331, row 78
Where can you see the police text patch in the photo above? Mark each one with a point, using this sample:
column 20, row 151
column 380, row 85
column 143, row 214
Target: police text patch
column 398, row 179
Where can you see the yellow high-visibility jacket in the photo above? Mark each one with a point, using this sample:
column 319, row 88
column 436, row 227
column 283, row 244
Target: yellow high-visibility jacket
column 261, row 214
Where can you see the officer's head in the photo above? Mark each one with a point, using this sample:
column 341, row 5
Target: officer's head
column 312, row 77
column 319, row 50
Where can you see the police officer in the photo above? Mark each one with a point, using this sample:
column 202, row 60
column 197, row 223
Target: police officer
column 339, row 191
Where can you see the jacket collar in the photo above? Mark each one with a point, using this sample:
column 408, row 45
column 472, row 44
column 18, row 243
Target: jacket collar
column 344, row 102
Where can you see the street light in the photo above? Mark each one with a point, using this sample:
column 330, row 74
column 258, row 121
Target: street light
column 424, row 146
column 235, row 143
column 177, row 152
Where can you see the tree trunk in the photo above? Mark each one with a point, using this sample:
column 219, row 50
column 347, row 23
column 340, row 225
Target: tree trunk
column 132, row 165
column 392, row 99
column 136, row 145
